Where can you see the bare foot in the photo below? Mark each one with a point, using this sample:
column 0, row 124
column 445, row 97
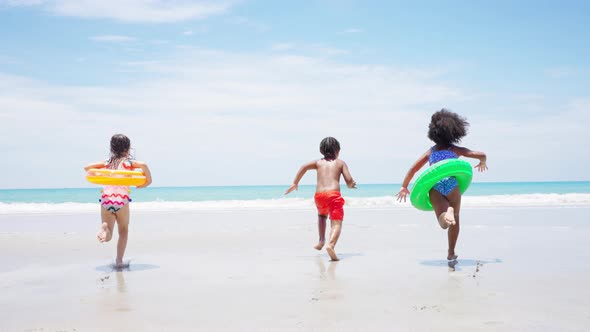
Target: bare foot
column 120, row 265
column 103, row 234
column 319, row 246
column 442, row 221
column 450, row 216
column 332, row 253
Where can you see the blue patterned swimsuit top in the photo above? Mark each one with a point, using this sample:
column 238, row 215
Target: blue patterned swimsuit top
column 440, row 155
column 446, row 185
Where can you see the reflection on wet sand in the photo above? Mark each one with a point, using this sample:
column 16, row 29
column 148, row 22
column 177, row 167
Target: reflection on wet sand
column 115, row 295
column 330, row 272
column 452, row 264
column 329, row 286
column 121, row 285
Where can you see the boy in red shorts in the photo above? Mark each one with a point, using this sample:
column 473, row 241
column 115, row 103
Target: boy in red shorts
column 327, row 198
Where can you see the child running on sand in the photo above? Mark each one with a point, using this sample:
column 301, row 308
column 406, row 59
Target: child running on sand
column 328, row 200
column 115, row 199
column 445, row 129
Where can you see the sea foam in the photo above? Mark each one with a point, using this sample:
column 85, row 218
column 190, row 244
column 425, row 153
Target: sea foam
column 385, row 202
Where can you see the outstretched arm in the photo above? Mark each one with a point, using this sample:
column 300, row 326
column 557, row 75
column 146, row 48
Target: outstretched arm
column 403, row 192
column 145, row 169
column 300, row 173
column 350, row 183
column 481, row 156
column 100, row 164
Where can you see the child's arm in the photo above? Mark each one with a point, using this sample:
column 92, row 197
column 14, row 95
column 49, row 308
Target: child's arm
column 350, row 183
column 481, row 156
column 403, row 192
column 100, row 164
column 300, row 173
column 145, row 169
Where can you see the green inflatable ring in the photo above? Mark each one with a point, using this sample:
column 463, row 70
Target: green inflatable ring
column 459, row 169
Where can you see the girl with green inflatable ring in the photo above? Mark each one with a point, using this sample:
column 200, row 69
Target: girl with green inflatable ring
column 440, row 187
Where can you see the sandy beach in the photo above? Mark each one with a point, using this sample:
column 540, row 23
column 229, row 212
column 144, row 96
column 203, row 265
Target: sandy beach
column 519, row 269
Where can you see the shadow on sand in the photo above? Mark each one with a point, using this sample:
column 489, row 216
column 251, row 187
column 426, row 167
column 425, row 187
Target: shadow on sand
column 455, row 265
column 341, row 256
column 346, row 255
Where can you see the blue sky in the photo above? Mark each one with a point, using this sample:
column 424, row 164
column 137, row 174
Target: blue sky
column 243, row 91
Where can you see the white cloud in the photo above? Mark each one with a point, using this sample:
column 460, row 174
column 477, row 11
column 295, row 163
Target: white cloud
column 282, row 46
column 159, row 42
column 140, row 63
column 525, row 145
column 213, row 108
column 156, row 11
column 581, row 105
column 201, row 30
column 250, row 23
column 353, row 30
column 329, row 51
column 267, row 113
column 559, row 72
column 113, row 38
column 317, row 50
column 22, row 2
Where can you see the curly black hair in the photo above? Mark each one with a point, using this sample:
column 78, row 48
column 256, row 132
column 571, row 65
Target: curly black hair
column 447, row 127
column 120, row 145
column 329, row 147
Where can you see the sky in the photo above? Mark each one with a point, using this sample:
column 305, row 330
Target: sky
column 242, row 92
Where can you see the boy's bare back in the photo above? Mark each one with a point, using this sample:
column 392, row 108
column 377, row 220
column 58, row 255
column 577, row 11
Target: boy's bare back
column 328, row 169
column 328, row 175
column 328, row 178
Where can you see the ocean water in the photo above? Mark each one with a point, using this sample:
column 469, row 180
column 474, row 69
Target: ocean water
column 263, row 197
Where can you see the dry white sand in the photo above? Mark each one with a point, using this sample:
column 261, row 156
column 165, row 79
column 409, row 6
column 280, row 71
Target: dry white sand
column 519, row 269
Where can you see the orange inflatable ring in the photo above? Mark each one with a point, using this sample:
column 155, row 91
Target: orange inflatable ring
column 115, row 177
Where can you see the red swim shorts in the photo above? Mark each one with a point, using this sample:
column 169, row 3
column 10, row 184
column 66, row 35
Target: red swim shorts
column 330, row 203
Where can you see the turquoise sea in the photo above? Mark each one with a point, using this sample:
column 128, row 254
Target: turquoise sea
column 246, row 193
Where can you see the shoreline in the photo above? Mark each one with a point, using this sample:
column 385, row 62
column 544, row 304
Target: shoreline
column 572, row 200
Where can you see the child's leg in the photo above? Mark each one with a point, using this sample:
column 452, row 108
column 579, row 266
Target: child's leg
column 444, row 212
column 123, row 227
column 453, row 233
column 321, row 231
column 105, row 233
column 336, row 227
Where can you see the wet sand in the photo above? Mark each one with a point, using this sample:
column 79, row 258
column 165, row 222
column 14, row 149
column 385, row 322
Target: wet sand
column 519, row 269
